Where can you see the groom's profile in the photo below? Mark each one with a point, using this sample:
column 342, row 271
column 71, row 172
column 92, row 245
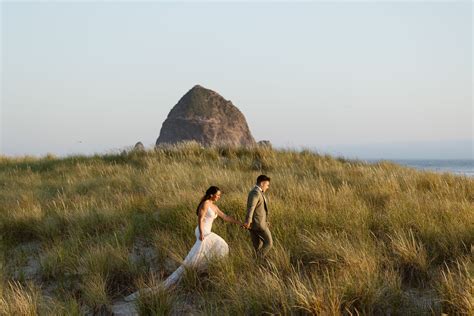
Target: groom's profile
column 256, row 219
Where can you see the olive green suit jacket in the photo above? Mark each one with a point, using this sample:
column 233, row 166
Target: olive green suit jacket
column 257, row 210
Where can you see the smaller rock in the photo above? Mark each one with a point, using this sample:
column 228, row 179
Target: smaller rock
column 265, row 143
column 139, row 147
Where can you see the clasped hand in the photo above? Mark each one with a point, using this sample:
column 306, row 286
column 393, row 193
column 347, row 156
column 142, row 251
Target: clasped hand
column 245, row 226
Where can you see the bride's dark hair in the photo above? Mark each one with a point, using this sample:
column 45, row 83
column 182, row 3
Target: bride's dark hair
column 211, row 191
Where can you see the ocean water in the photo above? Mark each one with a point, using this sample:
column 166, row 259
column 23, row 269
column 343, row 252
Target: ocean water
column 459, row 167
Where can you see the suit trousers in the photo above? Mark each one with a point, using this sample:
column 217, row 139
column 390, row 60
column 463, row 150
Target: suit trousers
column 262, row 241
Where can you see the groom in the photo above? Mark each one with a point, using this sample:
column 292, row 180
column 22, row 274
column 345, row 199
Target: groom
column 256, row 219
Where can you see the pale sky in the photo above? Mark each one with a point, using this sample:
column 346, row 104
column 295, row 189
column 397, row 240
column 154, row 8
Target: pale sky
column 358, row 79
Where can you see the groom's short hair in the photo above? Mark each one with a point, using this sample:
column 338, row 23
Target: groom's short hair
column 262, row 178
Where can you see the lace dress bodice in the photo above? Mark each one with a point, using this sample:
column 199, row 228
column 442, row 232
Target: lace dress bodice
column 209, row 218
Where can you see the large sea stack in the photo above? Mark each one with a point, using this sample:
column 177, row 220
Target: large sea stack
column 204, row 116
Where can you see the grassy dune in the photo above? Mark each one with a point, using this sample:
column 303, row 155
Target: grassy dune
column 78, row 233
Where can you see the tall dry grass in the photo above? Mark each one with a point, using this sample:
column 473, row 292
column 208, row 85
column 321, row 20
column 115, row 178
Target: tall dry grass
column 350, row 238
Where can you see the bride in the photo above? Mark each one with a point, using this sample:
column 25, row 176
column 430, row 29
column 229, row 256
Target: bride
column 208, row 245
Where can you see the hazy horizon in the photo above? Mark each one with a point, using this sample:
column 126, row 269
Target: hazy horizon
column 360, row 80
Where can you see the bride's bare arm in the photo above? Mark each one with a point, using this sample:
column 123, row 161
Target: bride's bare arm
column 202, row 211
column 227, row 218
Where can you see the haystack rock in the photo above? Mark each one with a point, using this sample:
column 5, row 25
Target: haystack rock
column 204, row 116
column 139, row 147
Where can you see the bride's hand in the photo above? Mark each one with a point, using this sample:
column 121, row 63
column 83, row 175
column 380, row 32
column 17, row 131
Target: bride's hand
column 201, row 237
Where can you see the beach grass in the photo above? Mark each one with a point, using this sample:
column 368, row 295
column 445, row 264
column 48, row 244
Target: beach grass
column 78, row 233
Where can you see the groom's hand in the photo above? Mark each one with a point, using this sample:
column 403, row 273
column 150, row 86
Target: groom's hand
column 246, row 225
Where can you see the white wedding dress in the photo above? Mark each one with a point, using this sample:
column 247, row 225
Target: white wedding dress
column 213, row 246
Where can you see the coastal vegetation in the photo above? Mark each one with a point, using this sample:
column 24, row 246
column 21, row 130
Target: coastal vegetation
column 80, row 232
